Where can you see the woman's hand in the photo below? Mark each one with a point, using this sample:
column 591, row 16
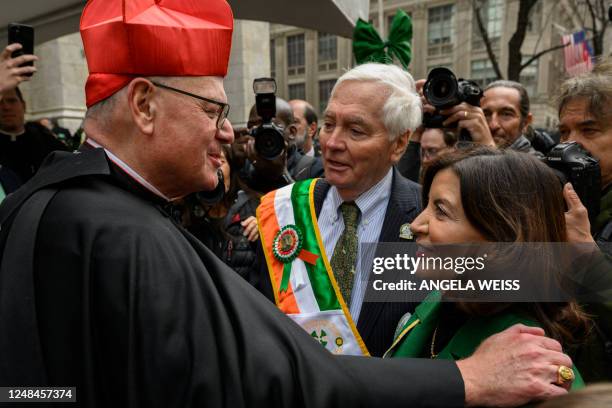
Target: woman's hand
column 250, row 229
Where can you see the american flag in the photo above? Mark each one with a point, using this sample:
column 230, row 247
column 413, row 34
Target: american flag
column 578, row 54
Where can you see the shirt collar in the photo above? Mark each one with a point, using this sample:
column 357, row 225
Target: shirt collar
column 12, row 135
column 128, row 170
column 370, row 198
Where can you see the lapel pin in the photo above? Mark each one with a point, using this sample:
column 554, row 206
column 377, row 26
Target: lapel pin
column 405, row 232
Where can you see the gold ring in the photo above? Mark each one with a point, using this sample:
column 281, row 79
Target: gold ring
column 465, row 113
column 565, row 374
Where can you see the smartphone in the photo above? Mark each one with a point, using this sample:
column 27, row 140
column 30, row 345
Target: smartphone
column 24, row 35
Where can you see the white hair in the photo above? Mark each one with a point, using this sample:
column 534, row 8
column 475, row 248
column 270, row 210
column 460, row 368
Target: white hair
column 402, row 110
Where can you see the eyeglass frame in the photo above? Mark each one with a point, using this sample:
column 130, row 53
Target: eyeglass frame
column 225, row 107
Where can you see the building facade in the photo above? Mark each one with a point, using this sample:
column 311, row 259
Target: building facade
column 306, row 63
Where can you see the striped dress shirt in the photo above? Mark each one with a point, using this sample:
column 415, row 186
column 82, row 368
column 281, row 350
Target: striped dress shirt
column 373, row 206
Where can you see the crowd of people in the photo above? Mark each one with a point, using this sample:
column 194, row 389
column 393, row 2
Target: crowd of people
column 168, row 261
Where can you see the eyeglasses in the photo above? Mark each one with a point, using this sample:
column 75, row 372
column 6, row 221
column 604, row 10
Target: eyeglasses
column 430, row 152
column 223, row 107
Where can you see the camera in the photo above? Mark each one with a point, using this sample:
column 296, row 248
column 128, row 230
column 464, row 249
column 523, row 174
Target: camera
column 269, row 139
column 443, row 90
column 212, row 197
column 572, row 163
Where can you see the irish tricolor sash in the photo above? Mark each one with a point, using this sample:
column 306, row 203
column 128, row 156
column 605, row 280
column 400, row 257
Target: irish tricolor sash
column 304, row 286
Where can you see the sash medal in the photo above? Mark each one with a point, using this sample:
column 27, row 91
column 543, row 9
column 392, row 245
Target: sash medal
column 286, row 247
column 303, row 283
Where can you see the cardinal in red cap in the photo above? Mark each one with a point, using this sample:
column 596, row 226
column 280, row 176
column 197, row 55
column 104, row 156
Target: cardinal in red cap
column 128, row 38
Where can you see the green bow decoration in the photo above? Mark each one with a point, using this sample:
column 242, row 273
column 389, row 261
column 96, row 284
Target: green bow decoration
column 369, row 47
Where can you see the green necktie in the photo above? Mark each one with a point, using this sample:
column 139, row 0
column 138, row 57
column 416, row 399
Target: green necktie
column 345, row 254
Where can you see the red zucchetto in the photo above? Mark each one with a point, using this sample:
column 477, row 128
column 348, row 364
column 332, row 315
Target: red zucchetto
column 128, row 38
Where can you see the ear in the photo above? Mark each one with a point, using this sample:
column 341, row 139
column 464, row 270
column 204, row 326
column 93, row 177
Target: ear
column 398, row 147
column 528, row 121
column 312, row 129
column 292, row 130
column 142, row 104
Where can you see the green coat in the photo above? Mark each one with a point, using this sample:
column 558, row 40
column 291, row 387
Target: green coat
column 414, row 335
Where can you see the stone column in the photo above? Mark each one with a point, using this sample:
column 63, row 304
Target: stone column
column 57, row 90
column 419, row 41
column 249, row 59
column 463, row 40
column 311, row 59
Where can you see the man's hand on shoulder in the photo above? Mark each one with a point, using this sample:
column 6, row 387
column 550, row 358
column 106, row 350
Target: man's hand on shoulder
column 512, row 368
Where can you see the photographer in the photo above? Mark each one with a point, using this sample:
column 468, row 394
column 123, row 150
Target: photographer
column 264, row 174
column 454, row 107
column 506, row 107
column 585, row 118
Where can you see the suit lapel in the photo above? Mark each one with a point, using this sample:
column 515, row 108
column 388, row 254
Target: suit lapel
column 319, row 193
column 403, row 207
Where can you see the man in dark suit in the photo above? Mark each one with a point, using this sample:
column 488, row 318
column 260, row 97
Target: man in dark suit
column 377, row 321
column 359, row 154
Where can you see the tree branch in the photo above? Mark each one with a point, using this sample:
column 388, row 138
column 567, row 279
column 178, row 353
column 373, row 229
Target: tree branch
column 485, row 38
column 592, row 13
column 597, row 32
column 516, row 41
column 539, row 54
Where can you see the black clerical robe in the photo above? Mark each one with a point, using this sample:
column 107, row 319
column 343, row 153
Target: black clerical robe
column 118, row 300
column 25, row 154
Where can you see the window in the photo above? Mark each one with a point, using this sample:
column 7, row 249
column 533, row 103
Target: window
column 325, row 88
column 440, row 30
column 328, row 47
column 273, row 58
column 492, row 14
column 327, row 52
column 295, row 54
column 483, row 72
column 529, row 76
column 297, row 91
column 494, row 18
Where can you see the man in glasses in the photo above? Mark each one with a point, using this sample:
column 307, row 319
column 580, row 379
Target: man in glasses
column 101, row 290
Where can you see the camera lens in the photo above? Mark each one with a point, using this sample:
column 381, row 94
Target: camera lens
column 441, row 88
column 269, row 142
